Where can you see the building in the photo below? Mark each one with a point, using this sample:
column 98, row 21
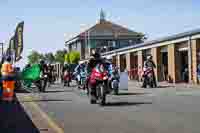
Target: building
column 105, row 36
column 172, row 55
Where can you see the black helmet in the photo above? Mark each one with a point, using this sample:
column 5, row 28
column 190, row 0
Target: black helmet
column 8, row 58
column 42, row 62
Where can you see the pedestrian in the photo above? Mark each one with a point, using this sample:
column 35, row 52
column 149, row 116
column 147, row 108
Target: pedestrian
column 7, row 71
column 198, row 72
column 140, row 73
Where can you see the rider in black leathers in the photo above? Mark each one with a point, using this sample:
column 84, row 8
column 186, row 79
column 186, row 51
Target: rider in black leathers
column 94, row 60
column 149, row 63
column 43, row 67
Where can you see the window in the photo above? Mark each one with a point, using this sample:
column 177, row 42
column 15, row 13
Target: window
column 124, row 43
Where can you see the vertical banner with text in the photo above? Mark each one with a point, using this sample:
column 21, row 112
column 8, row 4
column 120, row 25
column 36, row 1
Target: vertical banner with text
column 18, row 41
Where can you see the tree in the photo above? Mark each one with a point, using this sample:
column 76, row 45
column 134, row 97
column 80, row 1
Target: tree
column 74, row 57
column 60, row 56
column 49, row 57
column 34, row 57
column 67, row 58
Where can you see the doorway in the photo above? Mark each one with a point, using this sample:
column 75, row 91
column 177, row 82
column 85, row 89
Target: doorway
column 122, row 63
column 134, row 66
column 184, row 68
column 164, row 66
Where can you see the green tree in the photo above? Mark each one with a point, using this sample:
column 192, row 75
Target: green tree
column 74, row 57
column 60, row 56
column 34, row 57
column 49, row 57
column 67, row 58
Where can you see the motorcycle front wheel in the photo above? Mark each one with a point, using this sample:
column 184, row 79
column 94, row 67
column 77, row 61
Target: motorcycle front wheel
column 43, row 85
column 116, row 91
column 101, row 94
column 92, row 95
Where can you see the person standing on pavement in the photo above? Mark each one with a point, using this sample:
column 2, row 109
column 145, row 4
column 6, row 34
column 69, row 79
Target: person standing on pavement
column 198, row 69
column 7, row 72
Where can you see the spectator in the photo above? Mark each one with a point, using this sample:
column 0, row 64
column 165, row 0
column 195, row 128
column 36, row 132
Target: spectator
column 140, row 73
column 198, row 72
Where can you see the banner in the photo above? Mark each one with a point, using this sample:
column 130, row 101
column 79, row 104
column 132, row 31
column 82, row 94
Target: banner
column 11, row 48
column 18, row 41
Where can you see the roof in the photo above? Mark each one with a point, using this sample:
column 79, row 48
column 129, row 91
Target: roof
column 159, row 40
column 107, row 28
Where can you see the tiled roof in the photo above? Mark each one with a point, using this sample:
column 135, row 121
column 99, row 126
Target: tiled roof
column 108, row 28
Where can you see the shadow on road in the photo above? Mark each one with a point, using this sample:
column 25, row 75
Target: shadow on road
column 166, row 86
column 46, row 100
column 73, row 85
column 58, row 91
column 131, row 93
column 13, row 119
column 126, row 103
column 22, row 91
column 36, row 91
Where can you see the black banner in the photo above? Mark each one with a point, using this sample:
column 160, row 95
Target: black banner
column 18, row 41
column 11, row 47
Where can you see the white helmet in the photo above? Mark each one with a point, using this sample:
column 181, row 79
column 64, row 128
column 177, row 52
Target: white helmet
column 149, row 57
column 108, row 57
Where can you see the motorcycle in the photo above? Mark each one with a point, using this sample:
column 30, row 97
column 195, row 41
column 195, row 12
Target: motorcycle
column 43, row 82
column 148, row 77
column 98, row 87
column 82, row 80
column 66, row 78
column 115, row 82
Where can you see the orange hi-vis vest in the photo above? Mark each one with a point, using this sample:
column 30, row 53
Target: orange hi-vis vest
column 8, row 86
column 7, row 69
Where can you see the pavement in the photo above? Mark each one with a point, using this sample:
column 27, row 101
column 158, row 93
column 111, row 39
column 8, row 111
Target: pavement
column 168, row 108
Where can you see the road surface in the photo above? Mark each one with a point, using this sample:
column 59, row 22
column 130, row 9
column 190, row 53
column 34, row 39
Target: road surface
column 148, row 111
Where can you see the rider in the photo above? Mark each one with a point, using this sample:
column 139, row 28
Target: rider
column 94, row 60
column 43, row 67
column 149, row 63
column 78, row 70
column 67, row 69
column 50, row 73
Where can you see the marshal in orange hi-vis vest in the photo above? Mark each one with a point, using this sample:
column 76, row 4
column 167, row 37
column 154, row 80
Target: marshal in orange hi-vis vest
column 8, row 85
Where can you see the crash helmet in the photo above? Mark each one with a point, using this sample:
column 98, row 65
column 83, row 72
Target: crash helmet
column 93, row 52
column 42, row 62
column 8, row 59
column 149, row 57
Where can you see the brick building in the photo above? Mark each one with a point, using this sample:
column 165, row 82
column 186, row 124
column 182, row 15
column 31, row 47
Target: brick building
column 104, row 36
column 172, row 55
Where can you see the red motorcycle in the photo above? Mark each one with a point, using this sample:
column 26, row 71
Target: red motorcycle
column 98, row 87
column 148, row 77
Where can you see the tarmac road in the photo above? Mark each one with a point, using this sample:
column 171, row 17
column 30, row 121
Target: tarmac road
column 141, row 111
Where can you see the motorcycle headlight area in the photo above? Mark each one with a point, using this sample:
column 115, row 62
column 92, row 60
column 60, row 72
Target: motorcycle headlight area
column 105, row 78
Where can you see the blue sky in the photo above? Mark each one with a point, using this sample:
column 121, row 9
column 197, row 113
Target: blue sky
column 48, row 21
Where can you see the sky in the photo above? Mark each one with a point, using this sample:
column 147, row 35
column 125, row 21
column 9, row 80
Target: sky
column 48, row 23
